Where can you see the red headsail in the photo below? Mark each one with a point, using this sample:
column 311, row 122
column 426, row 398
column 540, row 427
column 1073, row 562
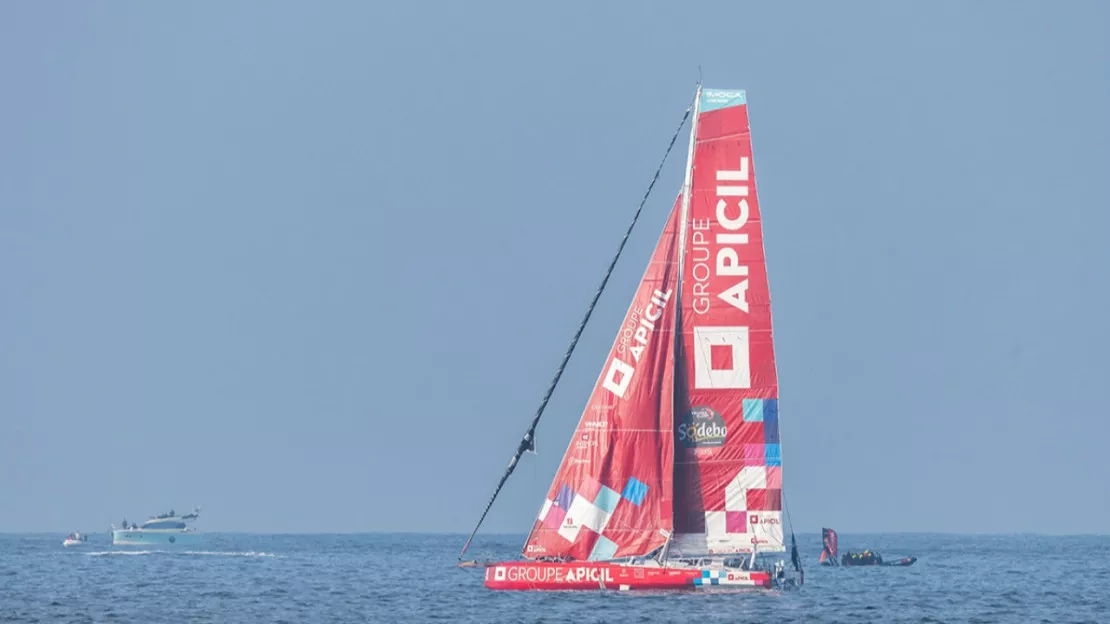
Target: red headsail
column 612, row 496
column 728, row 466
column 830, row 550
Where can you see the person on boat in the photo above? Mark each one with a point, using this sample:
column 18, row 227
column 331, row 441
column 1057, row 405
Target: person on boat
column 854, row 558
column 863, row 558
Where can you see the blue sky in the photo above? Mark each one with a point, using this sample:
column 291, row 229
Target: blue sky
column 312, row 265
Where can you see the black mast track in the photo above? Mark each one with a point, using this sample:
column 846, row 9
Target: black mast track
column 528, row 442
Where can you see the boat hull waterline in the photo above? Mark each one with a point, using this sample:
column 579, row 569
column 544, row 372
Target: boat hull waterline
column 897, row 563
column 618, row 577
column 153, row 537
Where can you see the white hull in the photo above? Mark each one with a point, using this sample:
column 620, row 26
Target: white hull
column 70, row 542
column 154, row 537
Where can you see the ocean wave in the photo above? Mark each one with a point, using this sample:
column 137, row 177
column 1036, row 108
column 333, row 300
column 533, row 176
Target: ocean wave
column 195, row 553
column 217, row 553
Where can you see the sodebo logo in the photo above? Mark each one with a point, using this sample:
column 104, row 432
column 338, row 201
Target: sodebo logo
column 702, row 427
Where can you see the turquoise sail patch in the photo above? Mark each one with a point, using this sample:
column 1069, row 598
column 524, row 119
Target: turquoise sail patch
column 716, row 99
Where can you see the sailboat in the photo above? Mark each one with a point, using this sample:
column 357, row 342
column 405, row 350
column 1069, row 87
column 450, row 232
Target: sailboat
column 830, row 552
column 830, row 555
column 673, row 477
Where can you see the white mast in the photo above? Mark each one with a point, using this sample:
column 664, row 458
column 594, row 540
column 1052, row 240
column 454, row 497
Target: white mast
column 684, row 214
column 684, row 219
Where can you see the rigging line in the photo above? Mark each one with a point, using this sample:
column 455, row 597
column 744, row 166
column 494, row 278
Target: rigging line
column 786, row 511
column 795, row 558
column 527, row 443
column 786, row 514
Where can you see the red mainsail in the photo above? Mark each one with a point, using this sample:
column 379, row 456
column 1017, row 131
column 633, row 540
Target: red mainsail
column 612, row 496
column 728, row 465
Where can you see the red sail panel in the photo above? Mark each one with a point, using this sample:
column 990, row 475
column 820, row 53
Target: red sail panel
column 830, row 550
column 612, row 496
column 728, row 467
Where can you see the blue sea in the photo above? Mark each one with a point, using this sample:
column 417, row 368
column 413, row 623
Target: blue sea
column 412, row 578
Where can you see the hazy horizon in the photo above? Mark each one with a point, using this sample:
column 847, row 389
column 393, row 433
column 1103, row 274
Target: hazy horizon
column 522, row 535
